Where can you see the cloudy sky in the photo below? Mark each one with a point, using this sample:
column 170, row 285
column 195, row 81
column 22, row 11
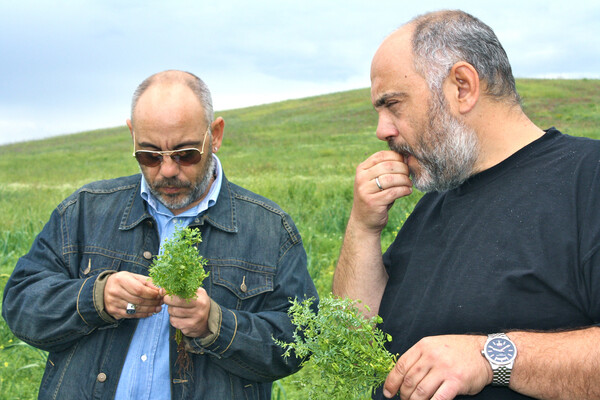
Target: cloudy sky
column 69, row 66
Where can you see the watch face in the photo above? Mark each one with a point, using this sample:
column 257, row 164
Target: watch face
column 500, row 350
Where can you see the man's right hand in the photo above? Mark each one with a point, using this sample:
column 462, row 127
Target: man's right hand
column 125, row 287
column 360, row 273
column 372, row 203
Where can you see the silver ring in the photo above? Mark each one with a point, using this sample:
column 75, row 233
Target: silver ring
column 378, row 184
column 130, row 308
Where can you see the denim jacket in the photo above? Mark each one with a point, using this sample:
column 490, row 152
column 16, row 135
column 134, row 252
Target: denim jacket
column 256, row 262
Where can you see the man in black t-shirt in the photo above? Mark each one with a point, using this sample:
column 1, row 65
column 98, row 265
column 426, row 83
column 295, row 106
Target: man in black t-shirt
column 491, row 289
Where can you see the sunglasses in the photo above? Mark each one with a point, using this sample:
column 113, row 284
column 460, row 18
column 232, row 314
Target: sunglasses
column 183, row 157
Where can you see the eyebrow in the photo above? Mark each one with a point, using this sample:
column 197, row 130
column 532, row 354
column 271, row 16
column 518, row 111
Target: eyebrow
column 183, row 145
column 380, row 102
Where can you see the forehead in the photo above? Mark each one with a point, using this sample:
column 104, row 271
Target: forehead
column 168, row 105
column 168, row 115
column 392, row 68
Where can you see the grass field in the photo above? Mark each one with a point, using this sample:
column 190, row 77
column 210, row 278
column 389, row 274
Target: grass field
column 300, row 153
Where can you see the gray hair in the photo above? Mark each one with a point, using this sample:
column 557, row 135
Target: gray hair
column 444, row 38
column 190, row 80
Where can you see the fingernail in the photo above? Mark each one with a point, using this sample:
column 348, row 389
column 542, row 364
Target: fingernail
column 387, row 394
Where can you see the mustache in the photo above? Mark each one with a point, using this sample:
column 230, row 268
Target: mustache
column 171, row 182
column 402, row 149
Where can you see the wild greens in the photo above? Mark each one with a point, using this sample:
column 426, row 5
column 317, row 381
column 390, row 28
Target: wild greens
column 345, row 351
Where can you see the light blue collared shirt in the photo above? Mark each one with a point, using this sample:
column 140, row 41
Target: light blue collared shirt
column 146, row 373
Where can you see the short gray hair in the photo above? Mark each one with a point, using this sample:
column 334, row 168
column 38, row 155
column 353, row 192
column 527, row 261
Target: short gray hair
column 443, row 38
column 196, row 84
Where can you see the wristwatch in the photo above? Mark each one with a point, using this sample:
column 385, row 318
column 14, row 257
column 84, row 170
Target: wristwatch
column 501, row 352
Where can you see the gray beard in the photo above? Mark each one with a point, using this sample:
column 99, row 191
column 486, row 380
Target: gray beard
column 446, row 151
column 197, row 189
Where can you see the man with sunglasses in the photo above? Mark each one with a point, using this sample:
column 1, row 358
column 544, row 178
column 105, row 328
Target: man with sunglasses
column 82, row 292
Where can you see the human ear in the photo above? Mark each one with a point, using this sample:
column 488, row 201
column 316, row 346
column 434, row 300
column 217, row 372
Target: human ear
column 465, row 79
column 217, row 128
column 130, row 127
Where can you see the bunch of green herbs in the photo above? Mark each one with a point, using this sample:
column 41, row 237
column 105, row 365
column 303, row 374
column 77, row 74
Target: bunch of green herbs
column 179, row 270
column 345, row 350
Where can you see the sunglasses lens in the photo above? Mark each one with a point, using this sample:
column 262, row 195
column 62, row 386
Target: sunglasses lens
column 187, row 157
column 148, row 159
column 182, row 157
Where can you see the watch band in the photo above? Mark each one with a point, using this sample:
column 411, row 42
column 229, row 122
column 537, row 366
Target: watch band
column 501, row 376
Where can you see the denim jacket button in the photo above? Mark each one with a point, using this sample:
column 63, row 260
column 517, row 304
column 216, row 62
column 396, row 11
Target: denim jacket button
column 101, row 377
column 147, row 255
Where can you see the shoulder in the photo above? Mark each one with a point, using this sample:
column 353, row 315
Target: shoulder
column 579, row 144
column 103, row 190
column 558, row 157
column 248, row 198
column 579, row 155
column 257, row 212
column 112, row 185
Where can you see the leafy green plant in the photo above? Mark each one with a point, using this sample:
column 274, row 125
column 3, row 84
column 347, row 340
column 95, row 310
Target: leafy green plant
column 179, row 270
column 346, row 350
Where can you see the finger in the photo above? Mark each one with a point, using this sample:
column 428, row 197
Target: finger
column 380, row 157
column 418, row 383
column 381, row 176
column 143, row 313
column 201, row 302
column 402, row 368
column 447, row 390
column 146, row 308
column 128, row 286
column 192, row 322
column 123, row 288
column 176, row 301
column 394, row 380
column 399, row 183
column 393, row 180
column 380, row 169
column 121, row 311
column 141, row 286
column 149, row 283
column 143, row 305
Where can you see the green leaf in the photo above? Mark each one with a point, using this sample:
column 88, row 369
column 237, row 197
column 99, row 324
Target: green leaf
column 346, row 349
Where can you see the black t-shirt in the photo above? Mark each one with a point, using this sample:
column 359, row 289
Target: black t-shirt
column 514, row 247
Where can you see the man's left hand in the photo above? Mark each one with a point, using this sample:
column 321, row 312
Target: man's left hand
column 190, row 316
column 440, row 367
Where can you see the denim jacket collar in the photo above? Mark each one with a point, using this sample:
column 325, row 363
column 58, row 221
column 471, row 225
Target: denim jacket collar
column 222, row 215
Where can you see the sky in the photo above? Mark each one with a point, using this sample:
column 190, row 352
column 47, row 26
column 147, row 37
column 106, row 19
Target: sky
column 70, row 66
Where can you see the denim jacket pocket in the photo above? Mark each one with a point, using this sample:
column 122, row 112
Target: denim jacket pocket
column 244, row 282
column 251, row 391
column 94, row 263
column 56, row 366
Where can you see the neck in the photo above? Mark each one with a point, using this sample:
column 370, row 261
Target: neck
column 502, row 132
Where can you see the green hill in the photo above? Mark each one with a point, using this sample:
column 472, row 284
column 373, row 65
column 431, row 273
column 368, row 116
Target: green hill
column 300, row 153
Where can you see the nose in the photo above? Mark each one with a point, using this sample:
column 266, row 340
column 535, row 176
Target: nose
column 169, row 168
column 386, row 129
